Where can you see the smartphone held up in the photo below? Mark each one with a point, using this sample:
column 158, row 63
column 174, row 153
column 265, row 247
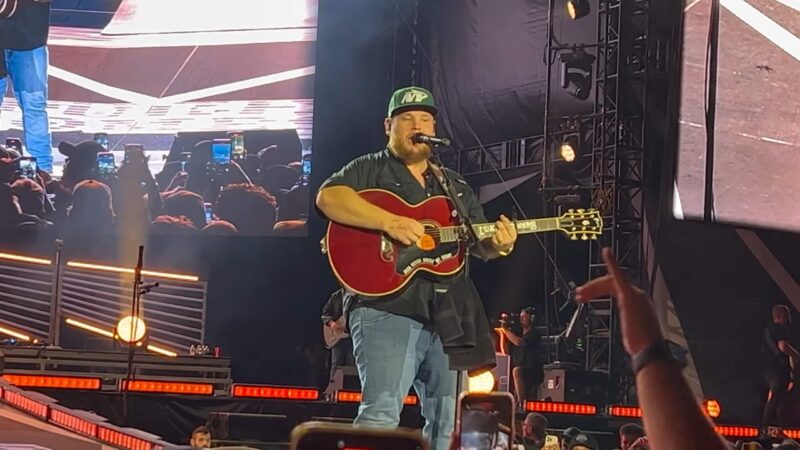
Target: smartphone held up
column 324, row 436
column 485, row 421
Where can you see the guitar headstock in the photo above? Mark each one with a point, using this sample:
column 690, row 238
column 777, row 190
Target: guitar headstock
column 583, row 224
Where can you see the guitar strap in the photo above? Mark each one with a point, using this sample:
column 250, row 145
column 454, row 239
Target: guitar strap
column 449, row 189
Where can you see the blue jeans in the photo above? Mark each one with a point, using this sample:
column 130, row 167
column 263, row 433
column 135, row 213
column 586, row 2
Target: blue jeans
column 393, row 352
column 28, row 73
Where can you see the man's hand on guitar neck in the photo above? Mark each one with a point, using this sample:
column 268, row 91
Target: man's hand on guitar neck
column 503, row 239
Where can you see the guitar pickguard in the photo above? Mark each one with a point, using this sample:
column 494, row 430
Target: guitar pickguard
column 410, row 258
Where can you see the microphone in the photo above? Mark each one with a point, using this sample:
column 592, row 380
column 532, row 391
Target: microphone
column 147, row 287
column 420, row 138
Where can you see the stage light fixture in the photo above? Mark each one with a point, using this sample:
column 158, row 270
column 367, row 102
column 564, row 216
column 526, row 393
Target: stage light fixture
column 576, row 73
column 131, row 330
column 577, row 8
column 713, row 408
column 569, row 147
column 482, row 382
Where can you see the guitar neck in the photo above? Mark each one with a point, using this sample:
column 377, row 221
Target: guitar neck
column 486, row 230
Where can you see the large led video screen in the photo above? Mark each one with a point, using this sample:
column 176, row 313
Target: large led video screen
column 756, row 137
column 214, row 99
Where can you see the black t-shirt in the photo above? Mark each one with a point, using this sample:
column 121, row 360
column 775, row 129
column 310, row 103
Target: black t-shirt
column 774, row 359
column 28, row 28
column 383, row 170
column 527, row 355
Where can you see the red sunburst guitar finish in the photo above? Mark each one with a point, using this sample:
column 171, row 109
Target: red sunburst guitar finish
column 370, row 263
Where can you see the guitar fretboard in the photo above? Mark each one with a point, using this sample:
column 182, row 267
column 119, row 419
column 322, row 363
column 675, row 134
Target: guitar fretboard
column 485, row 230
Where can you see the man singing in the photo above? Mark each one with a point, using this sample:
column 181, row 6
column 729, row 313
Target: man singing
column 398, row 339
column 24, row 37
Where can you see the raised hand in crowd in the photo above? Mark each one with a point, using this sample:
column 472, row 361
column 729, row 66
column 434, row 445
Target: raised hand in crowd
column 671, row 414
column 178, row 181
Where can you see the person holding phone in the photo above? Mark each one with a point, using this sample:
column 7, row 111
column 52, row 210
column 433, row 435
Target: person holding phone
column 23, row 36
column 399, row 339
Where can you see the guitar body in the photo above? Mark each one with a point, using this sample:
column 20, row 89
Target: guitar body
column 370, row 263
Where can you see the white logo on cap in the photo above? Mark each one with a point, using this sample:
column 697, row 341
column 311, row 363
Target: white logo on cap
column 413, row 96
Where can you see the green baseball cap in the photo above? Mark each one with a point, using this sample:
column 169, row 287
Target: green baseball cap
column 411, row 98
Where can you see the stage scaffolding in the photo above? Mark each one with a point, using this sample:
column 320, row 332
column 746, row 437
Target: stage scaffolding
column 614, row 132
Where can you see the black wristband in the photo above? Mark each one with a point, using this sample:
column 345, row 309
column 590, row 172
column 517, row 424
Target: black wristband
column 657, row 351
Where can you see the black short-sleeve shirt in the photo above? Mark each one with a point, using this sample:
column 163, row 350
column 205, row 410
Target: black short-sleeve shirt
column 527, row 355
column 774, row 359
column 383, row 170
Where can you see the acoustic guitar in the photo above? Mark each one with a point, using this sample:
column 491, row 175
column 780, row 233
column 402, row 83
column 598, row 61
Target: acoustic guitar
column 370, row 263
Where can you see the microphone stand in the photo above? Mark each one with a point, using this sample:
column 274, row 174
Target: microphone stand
column 139, row 289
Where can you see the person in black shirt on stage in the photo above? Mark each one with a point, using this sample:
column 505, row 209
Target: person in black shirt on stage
column 407, row 337
column 780, row 357
column 528, row 370
column 23, row 36
column 337, row 338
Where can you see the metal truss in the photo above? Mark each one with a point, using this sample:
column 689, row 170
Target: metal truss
column 615, row 132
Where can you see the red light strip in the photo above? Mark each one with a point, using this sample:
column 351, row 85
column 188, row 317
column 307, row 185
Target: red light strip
column 53, row 382
column 123, row 440
column 734, row 431
column 355, row 397
column 73, row 423
column 274, row 392
column 794, row 434
column 562, row 408
column 167, row 387
column 26, row 404
column 625, row 411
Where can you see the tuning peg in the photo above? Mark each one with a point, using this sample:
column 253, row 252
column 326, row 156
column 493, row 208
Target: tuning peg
column 594, row 237
column 581, row 210
column 573, row 237
column 570, row 210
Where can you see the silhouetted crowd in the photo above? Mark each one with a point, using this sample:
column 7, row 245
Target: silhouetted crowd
column 252, row 196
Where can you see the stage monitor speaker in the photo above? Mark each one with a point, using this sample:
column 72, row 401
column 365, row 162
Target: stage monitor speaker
column 502, row 372
column 565, row 383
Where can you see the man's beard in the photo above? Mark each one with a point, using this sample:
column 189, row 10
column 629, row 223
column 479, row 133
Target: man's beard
column 410, row 153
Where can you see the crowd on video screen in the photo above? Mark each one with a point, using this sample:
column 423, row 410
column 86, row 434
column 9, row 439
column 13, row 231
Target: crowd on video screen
column 210, row 188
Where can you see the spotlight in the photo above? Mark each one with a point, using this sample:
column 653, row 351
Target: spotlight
column 713, row 408
column 131, row 330
column 577, row 8
column 576, row 73
column 568, row 150
column 482, row 382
